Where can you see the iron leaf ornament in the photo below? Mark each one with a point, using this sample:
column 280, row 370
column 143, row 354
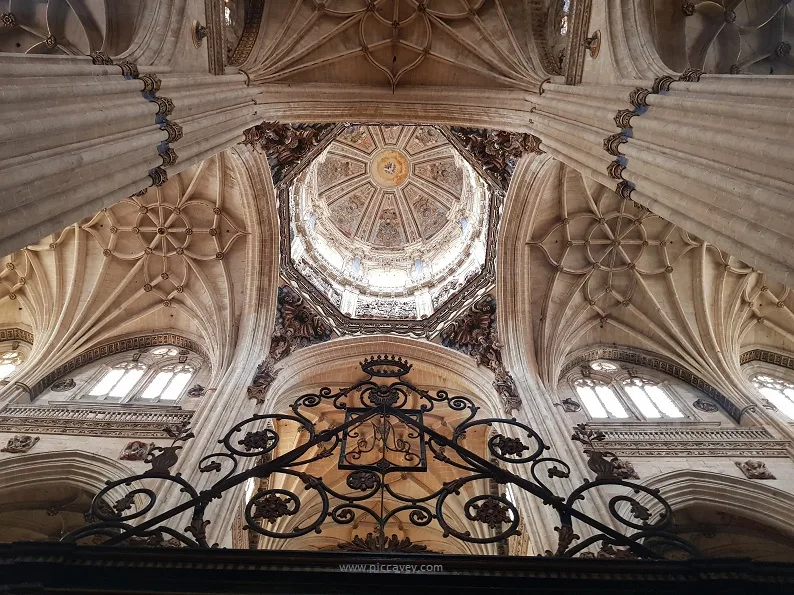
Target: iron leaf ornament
column 383, row 437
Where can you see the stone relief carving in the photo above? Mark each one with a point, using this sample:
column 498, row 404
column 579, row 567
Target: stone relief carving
column 755, row 470
column 297, row 325
column 474, row 334
column 381, row 543
column 285, row 144
column 704, row 405
column 62, row 385
column 20, row 443
column 135, row 451
column 569, row 405
column 385, row 308
column 604, row 463
column 196, row 391
column 497, row 150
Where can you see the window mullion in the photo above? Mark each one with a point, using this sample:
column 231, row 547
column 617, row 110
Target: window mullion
column 628, row 403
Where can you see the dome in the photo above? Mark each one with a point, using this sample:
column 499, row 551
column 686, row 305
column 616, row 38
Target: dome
column 388, row 218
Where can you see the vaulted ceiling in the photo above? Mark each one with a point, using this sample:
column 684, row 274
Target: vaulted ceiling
column 399, row 42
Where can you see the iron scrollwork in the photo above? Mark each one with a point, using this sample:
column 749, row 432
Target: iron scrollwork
column 383, row 435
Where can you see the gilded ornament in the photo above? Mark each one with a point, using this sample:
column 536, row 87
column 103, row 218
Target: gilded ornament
column 612, row 143
column 168, row 156
column 615, row 170
column 165, row 107
column 662, row 83
column 639, row 97
column 129, row 69
column 691, row 75
column 159, row 176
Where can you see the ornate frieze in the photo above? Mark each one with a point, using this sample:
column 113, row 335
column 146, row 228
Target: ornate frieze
column 297, row 325
column 16, row 334
column 755, row 470
column 286, row 144
column 474, row 333
column 253, row 18
column 20, row 443
column 703, row 440
column 91, row 420
column 497, row 151
column 604, row 463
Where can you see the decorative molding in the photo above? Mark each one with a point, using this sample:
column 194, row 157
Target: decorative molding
column 698, row 441
column 214, row 32
column 20, row 443
column 755, row 470
column 253, row 19
column 578, row 25
column 655, row 363
column 118, row 346
column 569, row 405
column 91, row 420
column 474, row 333
column 768, row 357
column 297, row 325
column 16, row 334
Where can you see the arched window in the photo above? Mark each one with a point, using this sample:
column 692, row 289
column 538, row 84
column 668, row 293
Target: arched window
column 599, row 399
column 779, row 392
column 168, row 384
column 609, row 392
column 10, row 361
column 651, row 400
column 117, row 382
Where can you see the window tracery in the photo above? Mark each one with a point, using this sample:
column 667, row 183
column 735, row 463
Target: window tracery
column 147, row 376
column 9, row 362
column 609, row 392
column 780, row 392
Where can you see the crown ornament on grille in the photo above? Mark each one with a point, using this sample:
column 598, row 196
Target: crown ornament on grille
column 386, row 366
column 383, row 436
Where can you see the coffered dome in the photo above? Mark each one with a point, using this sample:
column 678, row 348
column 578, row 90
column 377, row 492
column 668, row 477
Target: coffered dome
column 389, row 211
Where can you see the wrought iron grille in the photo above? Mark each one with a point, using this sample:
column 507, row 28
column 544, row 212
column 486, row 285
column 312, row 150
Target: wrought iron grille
column 383, row 433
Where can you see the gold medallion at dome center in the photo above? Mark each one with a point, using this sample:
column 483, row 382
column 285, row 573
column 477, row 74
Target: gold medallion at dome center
column 389, row 168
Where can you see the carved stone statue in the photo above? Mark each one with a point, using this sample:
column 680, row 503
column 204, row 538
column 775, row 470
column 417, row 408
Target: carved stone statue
column 196, row 391
column 20, row 443
column 755, row 470
column 135, row 451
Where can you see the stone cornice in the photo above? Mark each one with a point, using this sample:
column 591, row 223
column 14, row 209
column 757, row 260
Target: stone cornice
column 143, row 422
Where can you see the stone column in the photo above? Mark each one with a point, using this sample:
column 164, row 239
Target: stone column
column 710, row 153
column 80, row 133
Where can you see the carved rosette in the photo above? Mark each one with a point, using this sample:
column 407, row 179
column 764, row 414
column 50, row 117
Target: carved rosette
column 297, row 325
column 381, row 543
